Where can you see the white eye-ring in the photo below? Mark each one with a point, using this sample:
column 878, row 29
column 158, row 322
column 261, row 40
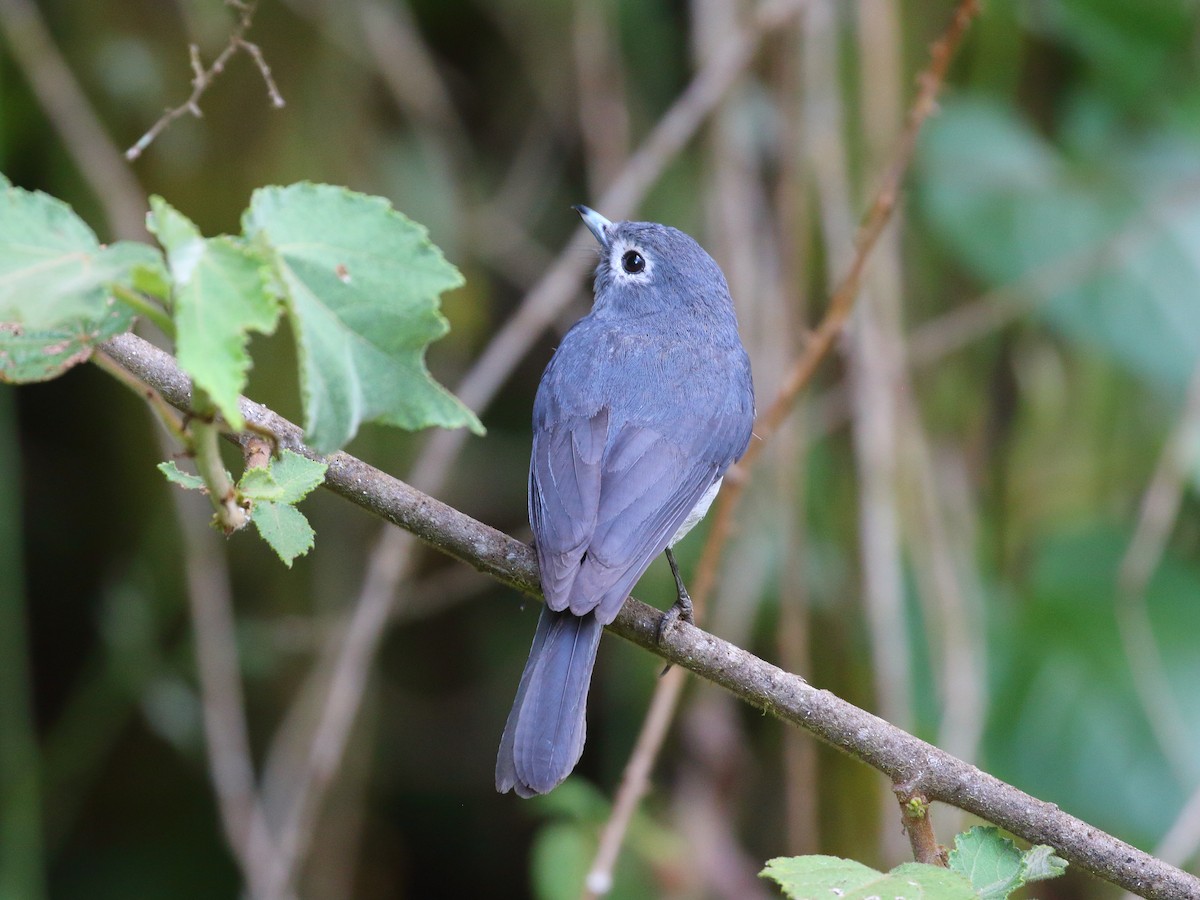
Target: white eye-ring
column 629, row 262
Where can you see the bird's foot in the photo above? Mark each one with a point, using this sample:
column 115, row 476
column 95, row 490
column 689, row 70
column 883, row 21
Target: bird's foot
column 681, row 610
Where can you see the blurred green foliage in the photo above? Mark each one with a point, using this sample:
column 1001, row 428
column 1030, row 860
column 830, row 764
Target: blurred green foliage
column 1057, row 190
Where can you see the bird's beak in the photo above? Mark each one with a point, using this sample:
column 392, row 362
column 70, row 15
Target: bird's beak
column 596, row 223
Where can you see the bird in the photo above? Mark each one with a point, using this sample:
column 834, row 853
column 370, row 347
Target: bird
column 643, row 407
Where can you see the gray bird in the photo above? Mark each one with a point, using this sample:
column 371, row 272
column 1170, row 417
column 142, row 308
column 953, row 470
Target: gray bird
column 644, row 406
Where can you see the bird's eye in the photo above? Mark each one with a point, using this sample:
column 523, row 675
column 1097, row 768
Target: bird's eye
column 632, row 262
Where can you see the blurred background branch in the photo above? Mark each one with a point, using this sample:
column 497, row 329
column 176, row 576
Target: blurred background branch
column 981, row 451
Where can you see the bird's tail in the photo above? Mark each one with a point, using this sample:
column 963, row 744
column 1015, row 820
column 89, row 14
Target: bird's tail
column 543, row 738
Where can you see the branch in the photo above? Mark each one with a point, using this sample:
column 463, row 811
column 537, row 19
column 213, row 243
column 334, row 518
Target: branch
column 202, row 78
column 920, row 767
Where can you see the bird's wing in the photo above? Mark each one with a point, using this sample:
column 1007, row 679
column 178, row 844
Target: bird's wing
column 606, row 499
column 564, row 495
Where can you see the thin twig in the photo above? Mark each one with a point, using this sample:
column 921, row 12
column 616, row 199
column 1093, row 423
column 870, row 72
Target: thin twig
column 737, row 212
column 940, row 553
column 874, row 370
column 202, row 78
column 211, row 606
column 169, row 417
column 255, row 53
column 920, row 767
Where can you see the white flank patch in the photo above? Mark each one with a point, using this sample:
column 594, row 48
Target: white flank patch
column 697, row 513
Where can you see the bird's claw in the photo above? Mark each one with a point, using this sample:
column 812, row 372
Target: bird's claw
column 681, row 610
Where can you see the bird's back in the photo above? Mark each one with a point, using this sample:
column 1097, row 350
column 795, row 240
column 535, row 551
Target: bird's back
column 634, row 421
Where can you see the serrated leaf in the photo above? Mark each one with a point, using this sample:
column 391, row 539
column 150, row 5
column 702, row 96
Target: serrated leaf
column 221, row 295
column 28, row 356
column 284, row 528
column 53, row 270
column 175, row 475
column 47, row 258
column 296, row 475
column 991, row 862
column 813, row 877
column 258, row 484
column 55, row 279
column 1041, row 863
column 362, row 285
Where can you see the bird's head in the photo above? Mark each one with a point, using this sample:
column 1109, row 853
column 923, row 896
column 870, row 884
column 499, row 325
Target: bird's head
column 647, row 268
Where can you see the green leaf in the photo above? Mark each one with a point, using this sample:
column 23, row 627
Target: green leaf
column 28, row 356
column 221, row 295
column 362, row 284
column 55, row 278
column 288, row 479
column 812, row 877
column 258, row 484
column 996, row 867
column 1041, row 863
column 176, row 476
column 284, row 528
column 47, row 262
column 273, row 491
column 991, row 862
column 296, row 475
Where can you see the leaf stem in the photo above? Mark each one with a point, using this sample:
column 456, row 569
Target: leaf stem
column 166, row 413
column 145, row 308
column 206, row 433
